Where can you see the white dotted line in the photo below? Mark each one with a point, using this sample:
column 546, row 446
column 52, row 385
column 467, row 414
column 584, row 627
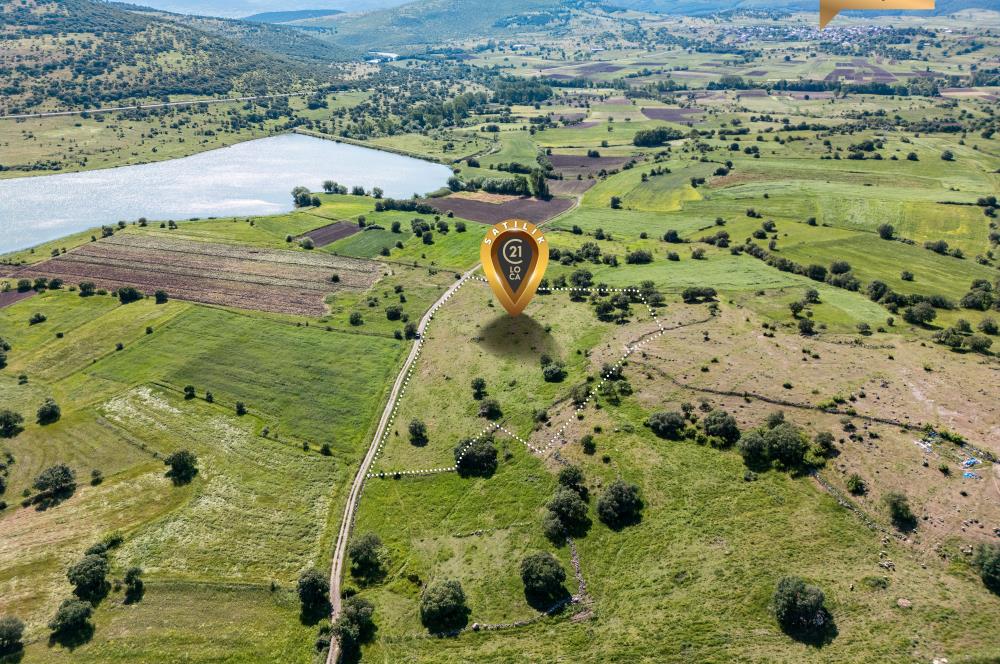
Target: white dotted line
column 629, row 350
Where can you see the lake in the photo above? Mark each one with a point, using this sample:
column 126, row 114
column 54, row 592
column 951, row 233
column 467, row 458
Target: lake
column 251, row 178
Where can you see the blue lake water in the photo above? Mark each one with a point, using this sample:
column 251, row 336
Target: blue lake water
column 255, row 177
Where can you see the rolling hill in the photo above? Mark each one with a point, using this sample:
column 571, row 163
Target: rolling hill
column 120, row 55
column 291, row 16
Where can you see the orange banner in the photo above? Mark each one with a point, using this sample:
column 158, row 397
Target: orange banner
column 830, row 8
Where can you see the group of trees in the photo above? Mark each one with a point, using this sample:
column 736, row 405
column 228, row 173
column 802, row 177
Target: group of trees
column 779, row 443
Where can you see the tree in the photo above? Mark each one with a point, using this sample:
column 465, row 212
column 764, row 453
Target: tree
column 356, row 319
column 538, row 185
column 666, row 424
column 307, row 243
column 753, row 449
column 824, row 441
column 89, row 577
column 899, row 510
column 948, row 155
column 616, row 202
column 785, row 445
column 620, row 505
column 978, row 343
column 478, row 388
column 313, row 588
column 393, row 312
column 183, row 467
column 355, row 625
column 800, row 608
column 301, row 197
column 418, row 433
column 490, row 409
column 11, row 631
column 886, row 231
column 366, row 553
column 10, row 423
column 54, row 484
column 543, row 576
column 569, row 512
column 72, row 617
column 807, row 326
column 987, row 560
column 572, row 478
column 129, row 294
column 921, row 313
column 134, row 586
column 241, row 408
column 554, row 372
column 723, row 426
column 443, row 607
column 796, row 308
column 476, row 457
column 161, row 297
column 49, row 412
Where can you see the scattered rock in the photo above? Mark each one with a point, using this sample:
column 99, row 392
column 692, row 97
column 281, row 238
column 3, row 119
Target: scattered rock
column 904, row 603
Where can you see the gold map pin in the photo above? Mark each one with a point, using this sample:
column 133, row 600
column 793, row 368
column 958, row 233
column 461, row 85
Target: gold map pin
column 514, row 255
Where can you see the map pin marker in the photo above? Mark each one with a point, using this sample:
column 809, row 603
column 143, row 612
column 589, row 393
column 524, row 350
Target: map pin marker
column 514, row 254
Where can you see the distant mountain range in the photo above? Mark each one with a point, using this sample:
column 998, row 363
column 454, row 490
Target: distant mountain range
column 240, row 8
column 698, row 7
column 291, row 16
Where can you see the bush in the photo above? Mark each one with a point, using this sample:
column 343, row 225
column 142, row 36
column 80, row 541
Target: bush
column 89, row 577
column 799, row 608
column 161, row 297
column 856, row 485
column 418, row 433
column 553, row 373
column 571, row 477
column 312, row 589
column 49, row 412
column 588, row 444
column 490, row 409
column 10, row 423
column 476, row 458
column 366, row 553
column 73, row 616
column 355, row 625
column 722, row 425
column 543, row 576
column 183, row 467
column 899, row 510
column 11, row 631
column 356, row 319
column 786, row 445
column 129, row 294
column 569, row 508
column 37, row 318
column 134, row 587
column 753, row 449
column 443, row 607
column 666, row 424
column 620, row 505
column 394, row 312
column 987, row 560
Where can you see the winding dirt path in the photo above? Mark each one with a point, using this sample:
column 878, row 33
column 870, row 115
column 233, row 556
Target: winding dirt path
column 347, row 521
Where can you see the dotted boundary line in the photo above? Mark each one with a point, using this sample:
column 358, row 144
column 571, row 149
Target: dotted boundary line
column 491, row 428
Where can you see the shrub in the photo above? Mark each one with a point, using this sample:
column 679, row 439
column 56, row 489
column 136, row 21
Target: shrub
column 129, row 294
column 476, row 458
column 987, row 560
column 921, row 313
column 856, row 485
column 478, row 388
column 554, row 373
column 355, row 625
column 569, row 511
column 418, row 433
column 312, row 589
column 572, row 478
column 49, row 412
column 620, row 505
column 11, row 631
column 356, row 319
column 798, row 607
column 161, row 297
column 89, row 577
column 490, row 409
column 241, row 408
column 37, row 318
column 666, row 424
column 10, row 423
column 722, row 425
column 899, row 510
column 588, row 444
column 443, row 607
column 183, row 467
column 543, row 576
column 134, row 587
column 785, row 445
column 366, row 553
column 73, row 616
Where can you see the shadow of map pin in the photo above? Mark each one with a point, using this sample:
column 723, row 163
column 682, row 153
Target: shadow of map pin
column 514, row 254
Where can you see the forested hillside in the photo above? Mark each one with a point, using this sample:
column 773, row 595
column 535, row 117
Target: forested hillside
column 83, row 53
